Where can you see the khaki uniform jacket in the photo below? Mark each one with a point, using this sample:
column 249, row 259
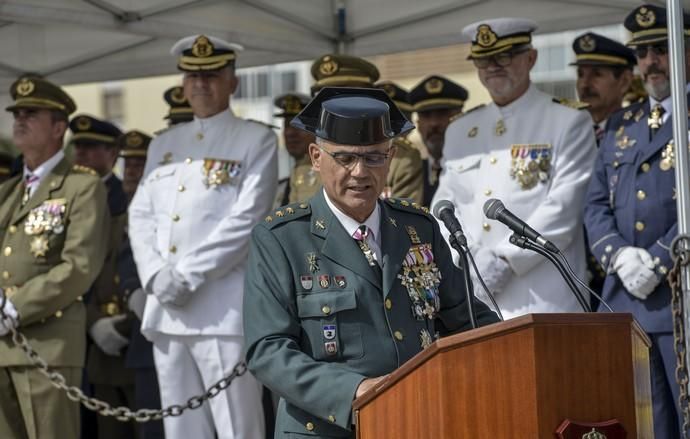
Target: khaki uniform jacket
column 304, row 181
column 318, row 320
column 406, row 175
column 45, row 272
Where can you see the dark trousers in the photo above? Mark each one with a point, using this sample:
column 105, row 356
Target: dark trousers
column 665, row 389
column 148, row 396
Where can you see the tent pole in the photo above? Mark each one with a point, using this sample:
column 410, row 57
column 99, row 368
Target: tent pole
column 680, row 138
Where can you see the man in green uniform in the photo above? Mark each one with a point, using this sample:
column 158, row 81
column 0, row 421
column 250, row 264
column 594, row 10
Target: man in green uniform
column 303, row 181
column 343, row 289
column 405, row 177
column 53, row 219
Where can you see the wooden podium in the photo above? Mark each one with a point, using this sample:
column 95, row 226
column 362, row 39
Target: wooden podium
column 517, row 379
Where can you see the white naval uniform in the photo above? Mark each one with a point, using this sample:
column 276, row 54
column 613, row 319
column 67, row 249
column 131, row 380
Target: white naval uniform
column 477, row 165
column 203, row 232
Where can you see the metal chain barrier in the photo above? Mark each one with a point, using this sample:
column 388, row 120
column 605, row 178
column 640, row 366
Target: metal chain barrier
column 681, row 257
column 123, row 414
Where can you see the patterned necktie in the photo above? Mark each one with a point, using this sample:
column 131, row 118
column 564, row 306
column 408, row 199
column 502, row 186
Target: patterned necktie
column 361, row 235
column 655, row 119
column 29, row 182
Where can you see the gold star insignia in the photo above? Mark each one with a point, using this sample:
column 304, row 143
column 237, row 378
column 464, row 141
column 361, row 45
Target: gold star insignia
column 39, row 246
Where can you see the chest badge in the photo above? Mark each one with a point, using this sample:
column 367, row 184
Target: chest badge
column 39, row 246
column 324, row 281
column 329, row 332
column 340, row 281
column 625, row 142
column 306, row 281
column 668, row 158
column 412, row 232
column 313, row 262
column 473, row 132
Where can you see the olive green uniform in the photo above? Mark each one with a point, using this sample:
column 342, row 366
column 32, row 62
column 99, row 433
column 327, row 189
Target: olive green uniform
column 319, row 319
column 44, row 272
column 406, row 175
column 304, row 181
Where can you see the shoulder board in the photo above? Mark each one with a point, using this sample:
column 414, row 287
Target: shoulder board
column 79, row 169
column 268, row 125
column 464, row 113
column 286, row 214
column 407, row 205
column 577, row 105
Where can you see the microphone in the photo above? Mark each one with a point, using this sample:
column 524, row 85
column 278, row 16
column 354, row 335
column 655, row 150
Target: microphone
column 495, row 210
column 445, row 211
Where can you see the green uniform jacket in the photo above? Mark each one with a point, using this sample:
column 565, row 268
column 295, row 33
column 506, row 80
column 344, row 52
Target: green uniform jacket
column 318, row 320
column 406, row 175
column 45, row 272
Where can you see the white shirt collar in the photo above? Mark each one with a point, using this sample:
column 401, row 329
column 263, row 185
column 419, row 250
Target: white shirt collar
column 44, row 168
column 667, row 103
column 220, row 118
column 373, row 223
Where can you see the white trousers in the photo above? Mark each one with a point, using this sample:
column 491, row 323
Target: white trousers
column 188, row 366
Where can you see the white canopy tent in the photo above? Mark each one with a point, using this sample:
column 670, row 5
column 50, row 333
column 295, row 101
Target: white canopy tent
column 75, row 41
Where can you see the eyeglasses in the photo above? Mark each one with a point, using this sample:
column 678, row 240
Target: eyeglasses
column 500, row 59
column 657, row 49
column 349, row 159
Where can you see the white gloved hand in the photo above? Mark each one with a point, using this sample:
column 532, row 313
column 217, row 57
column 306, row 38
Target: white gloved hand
column 642, row 285
column 13, row 316
column 137, row 302
column 635, row 268
column 495, row 271
column 106, row 337
column 168, row 286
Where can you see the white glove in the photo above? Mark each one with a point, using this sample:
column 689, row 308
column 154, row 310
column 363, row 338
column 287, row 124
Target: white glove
column 635, row 268
column 495, row 271
column 137, row 302
column 169, row 287
column 13, row 316
column 106, row 337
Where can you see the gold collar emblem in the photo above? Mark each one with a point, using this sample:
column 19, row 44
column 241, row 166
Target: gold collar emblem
column 202, row 47
column 485, row 36
column 25, row 87
column 645, row 17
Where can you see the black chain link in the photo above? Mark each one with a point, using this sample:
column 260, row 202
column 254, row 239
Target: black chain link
column 680, row 251
column 123, row 414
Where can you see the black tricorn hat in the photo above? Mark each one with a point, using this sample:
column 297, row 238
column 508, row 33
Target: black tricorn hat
column 352, row 116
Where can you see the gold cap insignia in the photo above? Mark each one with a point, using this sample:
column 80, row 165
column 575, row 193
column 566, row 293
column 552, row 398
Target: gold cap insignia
column 177, row 95
column 328, row 66
column 202, row 47
column 134, row 140
column 645, row 17
column 485, row 36
column 83, row 123
column 292, row 105
column 587, row 43
column 390, row 90
column 25, row 87
column 433, row 86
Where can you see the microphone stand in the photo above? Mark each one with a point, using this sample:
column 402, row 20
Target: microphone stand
column 522, row 242
column 469, row 290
